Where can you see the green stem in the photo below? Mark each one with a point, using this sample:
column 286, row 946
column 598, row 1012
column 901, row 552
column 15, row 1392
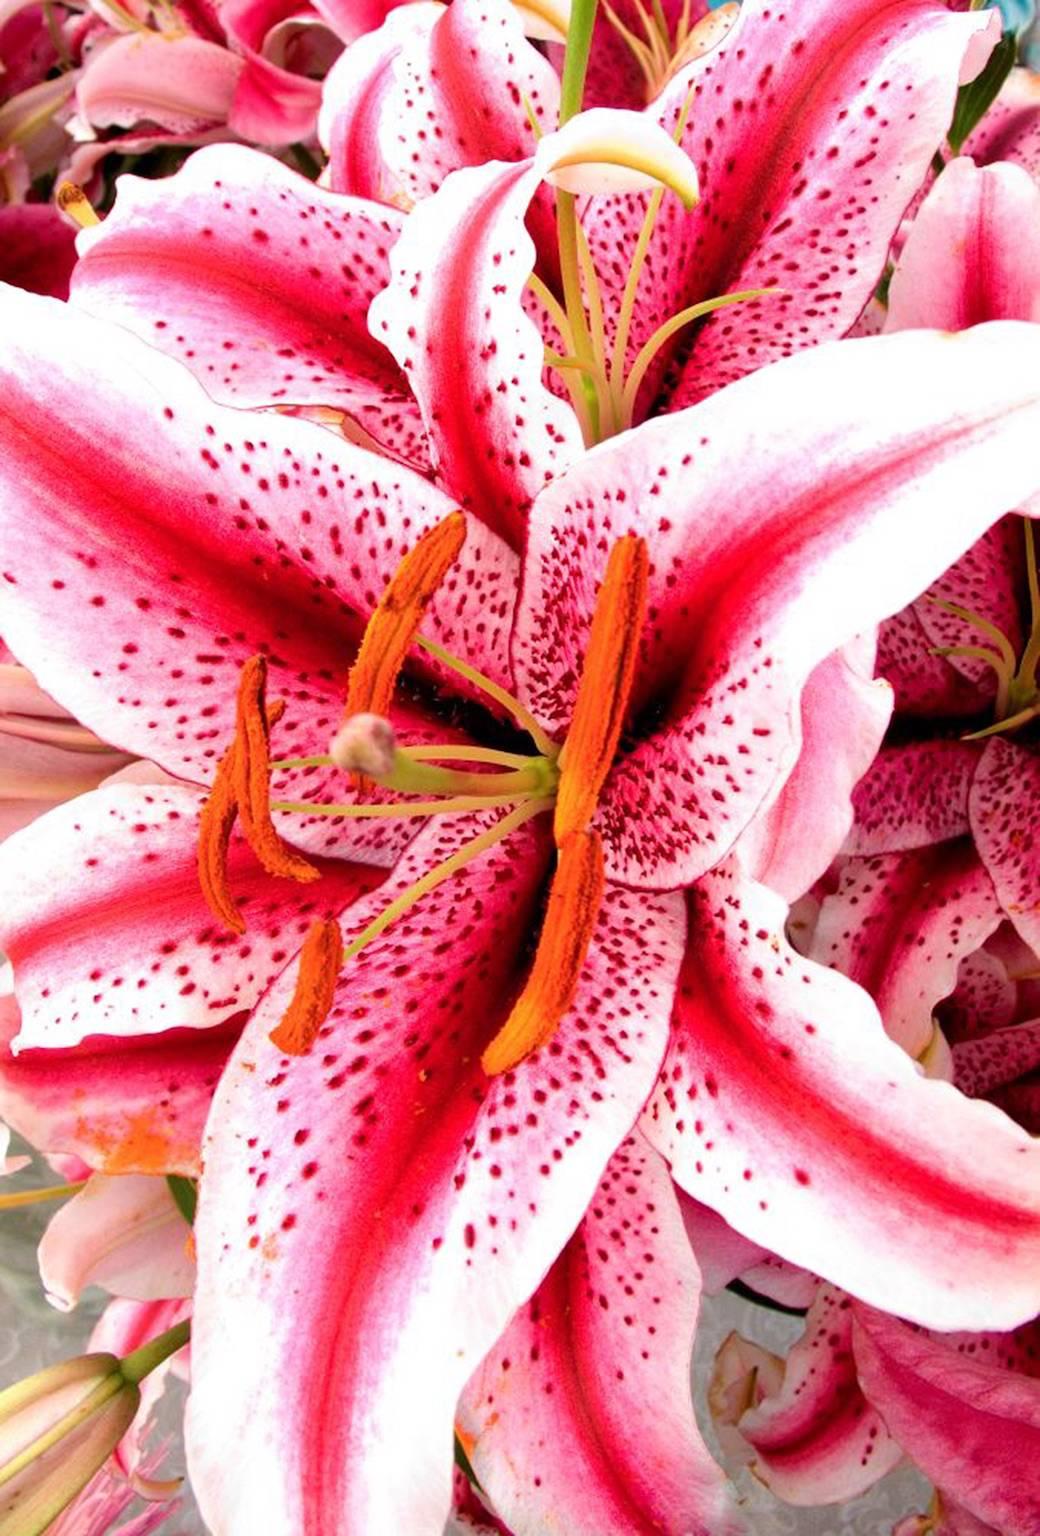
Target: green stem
column 136, row 1366
column 576, row 59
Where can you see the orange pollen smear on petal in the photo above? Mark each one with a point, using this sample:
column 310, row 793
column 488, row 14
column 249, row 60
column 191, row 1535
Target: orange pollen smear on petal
column 320, row 962
column 395, row 623
column 251, row 775
column 575, row 897
column 605, row 686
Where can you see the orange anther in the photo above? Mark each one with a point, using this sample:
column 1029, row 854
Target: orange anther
column 575, row 897
column 320, row 961
column 251, row 774
column 395, row 622
column 605, row 686
column 215, row 824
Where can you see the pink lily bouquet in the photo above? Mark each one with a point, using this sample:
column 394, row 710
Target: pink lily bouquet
column 520, row 720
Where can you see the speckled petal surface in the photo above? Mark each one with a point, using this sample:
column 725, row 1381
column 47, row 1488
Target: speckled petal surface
column 103, row 918
column 914, row 794
column 452, row 316
column 783, row 1104
column 769, row 549
column 1010, row 129
column 354, row 1194
column 817, row 1440
column 555, row 1420
column 899, row 924
column 259, row 282
column 1001, row 806
column 263, row 534
column 465, row 93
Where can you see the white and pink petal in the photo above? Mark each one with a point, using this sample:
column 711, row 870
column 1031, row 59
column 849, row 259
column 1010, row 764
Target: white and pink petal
column 375, row 1177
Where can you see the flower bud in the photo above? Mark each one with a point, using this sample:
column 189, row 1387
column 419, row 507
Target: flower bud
column 57, row 1429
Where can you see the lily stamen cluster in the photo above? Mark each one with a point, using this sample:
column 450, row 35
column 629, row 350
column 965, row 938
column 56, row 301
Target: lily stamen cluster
column 567, row 780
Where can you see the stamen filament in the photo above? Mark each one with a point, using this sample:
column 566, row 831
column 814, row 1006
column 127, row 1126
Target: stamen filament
column 443, row 871
column 575, row 898
column 635, row 272
column 520, row 713
column 467, row 755
column 31, row 1196
column 648, row 351
column 404, row 812
column 1010, row 724
column 976, row 620
column 411, row 777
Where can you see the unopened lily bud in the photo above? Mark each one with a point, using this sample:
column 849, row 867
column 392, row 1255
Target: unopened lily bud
column 365, row 744
column 608, row 149
column 59, row 1427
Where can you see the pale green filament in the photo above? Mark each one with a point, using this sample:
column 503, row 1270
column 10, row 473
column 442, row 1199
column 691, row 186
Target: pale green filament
column 443, row 871
column 523, row 716
column 409, row 810
column 1018, row 690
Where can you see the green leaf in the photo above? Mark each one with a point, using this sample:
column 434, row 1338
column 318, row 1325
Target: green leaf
column 974, row 100
column 185, row 1195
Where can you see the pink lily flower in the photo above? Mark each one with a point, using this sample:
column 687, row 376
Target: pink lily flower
column 250, row 341
column 826, row 196
column 385, row 1163
column 124, row 1234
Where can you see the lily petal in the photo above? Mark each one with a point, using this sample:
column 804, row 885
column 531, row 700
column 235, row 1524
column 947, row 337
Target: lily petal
column 905, row 440
column 912, row 796
column 183, row 84
column 816, row 1439
column 103, row 917
column 125, row 1107
column 467, row 89
column 244, row 550
column 207, row 266
column 554, row 1421
column 900, row 923
column 1003, row 794
column 781, row 1093
column 811, row 130
column 353, row 1194
column 973, row 252
column 452, row 315
column 37, row 249
column 969, row 1423
column 845, row 713
column 124, row 1234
